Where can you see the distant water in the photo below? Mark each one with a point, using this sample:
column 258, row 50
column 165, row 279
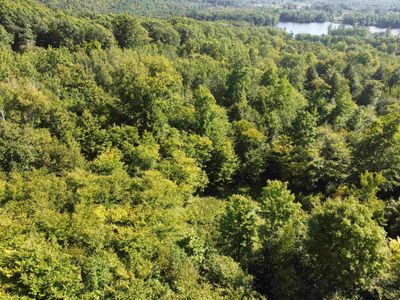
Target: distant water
column 323, row 28
column 374, row 29
column 310, row 28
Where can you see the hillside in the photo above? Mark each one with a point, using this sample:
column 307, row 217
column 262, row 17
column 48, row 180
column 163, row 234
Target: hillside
column 174, row 158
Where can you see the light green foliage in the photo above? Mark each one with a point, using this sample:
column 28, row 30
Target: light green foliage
column 393, row 291
column 105, row 188
column 387, row 286
column 24, row 103
column 39, row 269
column 344, row 105
column 280, row 233
column 336, row 159
column 6, row 39
column 294, row 67
column 142, row 157
column 131, row 148
column 277, row 101
column 108, row 162
column 237, row 82
column 238, row 228
column 226, row 272
column 251, row 148
column 185, row 172
column 155, row 190
column 205, row 214
column 277, row 207
column 370, row 186
column 7, row 66
column 211, row 119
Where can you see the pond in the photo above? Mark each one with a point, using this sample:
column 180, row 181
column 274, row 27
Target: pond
column 323, row 28
column 393, row 31
column 310, row 28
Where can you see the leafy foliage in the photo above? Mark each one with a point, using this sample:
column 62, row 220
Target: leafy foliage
column 175, row 158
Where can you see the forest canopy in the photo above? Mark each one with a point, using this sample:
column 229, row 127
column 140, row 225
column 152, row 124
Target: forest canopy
column 203, row 157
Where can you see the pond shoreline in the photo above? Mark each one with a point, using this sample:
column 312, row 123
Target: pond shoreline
column 322, row 28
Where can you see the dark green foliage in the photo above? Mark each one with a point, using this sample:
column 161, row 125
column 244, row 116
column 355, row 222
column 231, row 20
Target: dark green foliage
column 70, row 32
column 392, row 214
column 24, row 148
column 371, row 93
column 378, row 147
column 211, row 120
column 161, row 32
column 128, row 32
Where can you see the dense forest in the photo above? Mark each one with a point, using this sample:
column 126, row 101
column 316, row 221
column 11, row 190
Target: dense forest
column 382, row 13
column 175, row 158
column 144, row 7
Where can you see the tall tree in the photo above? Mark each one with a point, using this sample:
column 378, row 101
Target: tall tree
column 346, row 246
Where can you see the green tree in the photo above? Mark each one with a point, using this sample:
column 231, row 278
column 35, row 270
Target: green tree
column 376, row 150
column 40, row 270
column 251, row 146
column 355, row 79
column 346, row 246
column 371, row 93
column 227, row 273
column 6, row 39
column 299, row 155
column 72, row 32
column 370, row 184
column 128, row 32
column 295, row 68
column 344, row 106
column 211, row 120
column 281, row 236
column 24, row 148
column 336, row 159
column 392, row 217
column 237, row 83
column 391, row 286
column 149, row 92
column 161, row 32
column 238, row 228
column 277, row 206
